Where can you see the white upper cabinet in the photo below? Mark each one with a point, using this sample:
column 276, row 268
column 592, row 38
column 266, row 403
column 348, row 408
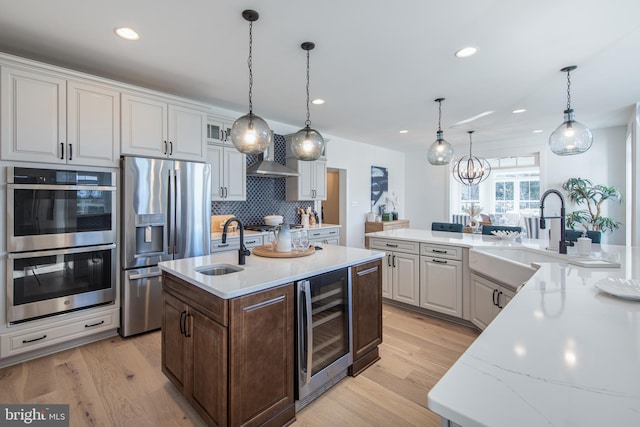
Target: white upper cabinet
column 153, row 127
column 228, row 168
column 219, row 131
column 311, row 184
column 93, row 124
column 47, row 118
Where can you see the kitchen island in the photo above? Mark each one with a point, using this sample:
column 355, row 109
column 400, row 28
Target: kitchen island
column 228, row 340
column 560, row 353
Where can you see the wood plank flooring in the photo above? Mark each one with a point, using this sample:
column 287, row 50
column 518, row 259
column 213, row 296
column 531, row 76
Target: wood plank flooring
column 118, row 382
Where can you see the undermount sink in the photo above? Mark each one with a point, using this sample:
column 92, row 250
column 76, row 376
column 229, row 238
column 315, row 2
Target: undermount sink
column 218, row 269
column 511, row 266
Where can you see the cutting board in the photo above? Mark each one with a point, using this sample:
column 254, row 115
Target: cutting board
column 216, row 220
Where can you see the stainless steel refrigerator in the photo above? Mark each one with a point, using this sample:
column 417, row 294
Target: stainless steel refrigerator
column 166, row 214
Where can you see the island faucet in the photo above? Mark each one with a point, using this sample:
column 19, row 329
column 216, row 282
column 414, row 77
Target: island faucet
column 562, row 248
column 242, row 251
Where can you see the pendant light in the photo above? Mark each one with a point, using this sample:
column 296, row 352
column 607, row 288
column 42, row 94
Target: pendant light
column 250, row 134
column 471, row 170
column 570, row 137
column 441, row 152
column 307, row 144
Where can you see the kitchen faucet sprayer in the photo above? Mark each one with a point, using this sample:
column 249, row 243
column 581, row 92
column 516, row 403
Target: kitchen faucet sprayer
column 242, row 251
column 562, row 248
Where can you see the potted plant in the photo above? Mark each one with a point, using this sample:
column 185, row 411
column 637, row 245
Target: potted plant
column 582, row 191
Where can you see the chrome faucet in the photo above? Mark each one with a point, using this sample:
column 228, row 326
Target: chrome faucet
column 562, row 248
column 242, row 251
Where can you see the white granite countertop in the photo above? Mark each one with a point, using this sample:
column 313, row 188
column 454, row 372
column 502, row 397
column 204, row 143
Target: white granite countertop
column 561, row 353
column 260, row 273
column 218, row 234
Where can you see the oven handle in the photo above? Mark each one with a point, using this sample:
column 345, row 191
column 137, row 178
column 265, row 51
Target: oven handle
column 61, row 251
column 61, row 187
column 305, row 353
column 144, row 275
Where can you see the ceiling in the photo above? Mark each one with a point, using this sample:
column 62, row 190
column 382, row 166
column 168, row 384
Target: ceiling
column 379, row 65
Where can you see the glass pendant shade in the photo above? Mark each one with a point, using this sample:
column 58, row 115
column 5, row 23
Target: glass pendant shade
column 307, row 144
column 570, row 137
column 440, row 152
column 471, row 170
column 250, row 134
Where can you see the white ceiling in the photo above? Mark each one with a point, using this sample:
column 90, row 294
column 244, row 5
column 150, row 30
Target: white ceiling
column 378, row 64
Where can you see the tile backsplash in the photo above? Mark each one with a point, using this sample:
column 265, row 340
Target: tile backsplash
column 265, row 196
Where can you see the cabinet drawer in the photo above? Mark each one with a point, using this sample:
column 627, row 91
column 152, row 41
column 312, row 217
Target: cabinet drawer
column 233, row 243
column 323, row 233
column 252, row 241
column 395, row 245
column 440, row 251
column 23, row 341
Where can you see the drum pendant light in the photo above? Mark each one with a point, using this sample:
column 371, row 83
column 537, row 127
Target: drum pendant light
column 441, row 152
column 471, row 170
column 250, row 134
column 307, row 144
column 570, row 137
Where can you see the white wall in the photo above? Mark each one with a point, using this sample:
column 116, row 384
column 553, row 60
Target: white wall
column 604, row 163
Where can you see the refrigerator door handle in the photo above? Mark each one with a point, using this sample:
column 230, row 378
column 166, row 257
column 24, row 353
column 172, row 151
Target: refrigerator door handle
column 178, row 237
column 172, row 220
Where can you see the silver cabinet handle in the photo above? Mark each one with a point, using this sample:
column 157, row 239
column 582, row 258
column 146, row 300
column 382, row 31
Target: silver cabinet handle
column 367, row 271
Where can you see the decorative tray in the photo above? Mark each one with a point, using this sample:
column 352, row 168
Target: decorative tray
column 267, row 251
column 622, row 288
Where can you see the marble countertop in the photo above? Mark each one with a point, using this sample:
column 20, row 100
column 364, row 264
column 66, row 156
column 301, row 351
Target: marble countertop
column 260, row 273
column 560, row 353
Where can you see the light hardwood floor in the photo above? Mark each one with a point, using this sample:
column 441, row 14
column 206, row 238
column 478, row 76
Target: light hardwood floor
column 118, row 382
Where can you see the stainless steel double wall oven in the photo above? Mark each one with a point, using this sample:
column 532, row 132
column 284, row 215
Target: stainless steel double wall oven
column 61, row 241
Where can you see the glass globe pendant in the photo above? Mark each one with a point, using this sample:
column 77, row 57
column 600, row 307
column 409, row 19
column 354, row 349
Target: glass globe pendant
column 250, row 134
column 440, row 152
column 471, row 170
column 307, row 144
column 570, row 137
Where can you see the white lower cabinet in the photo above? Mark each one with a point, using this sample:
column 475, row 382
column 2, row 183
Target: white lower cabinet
column 328, row 235
column 401, row 270
column 441, row 285
column 31, row 339
column 487, row 299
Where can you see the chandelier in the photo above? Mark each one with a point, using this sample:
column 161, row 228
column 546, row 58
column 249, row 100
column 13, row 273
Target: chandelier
column 471, row 170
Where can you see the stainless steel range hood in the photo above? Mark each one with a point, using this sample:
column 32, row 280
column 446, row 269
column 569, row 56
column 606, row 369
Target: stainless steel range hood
column 268, row 167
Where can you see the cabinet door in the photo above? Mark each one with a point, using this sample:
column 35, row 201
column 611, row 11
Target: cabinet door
column 93, row 131
column 218, row 131
column 320, row 179
column 305, row 180
column 406, row 271
column 173, row 348
column 441, row 285
column 261, row 356
column 483, row 309
column 186, row 133
column 387, row 276
column 207, row 367
column 235, row 174
column 144, row 126
column 367, row 308
column 33, row 116
column 214, row 158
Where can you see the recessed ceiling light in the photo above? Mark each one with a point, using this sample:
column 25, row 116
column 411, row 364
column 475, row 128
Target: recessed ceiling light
column 476, row 117
column 537, row 131
column 404, row 131
column 318, row 101
column 519, row 110
column 466, row 51
column 126, row 33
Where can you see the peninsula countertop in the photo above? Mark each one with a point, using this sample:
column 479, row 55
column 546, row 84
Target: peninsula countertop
column 561, row 353
column 260, row 273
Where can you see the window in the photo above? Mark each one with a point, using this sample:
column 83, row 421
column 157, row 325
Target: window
column 510, row 192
